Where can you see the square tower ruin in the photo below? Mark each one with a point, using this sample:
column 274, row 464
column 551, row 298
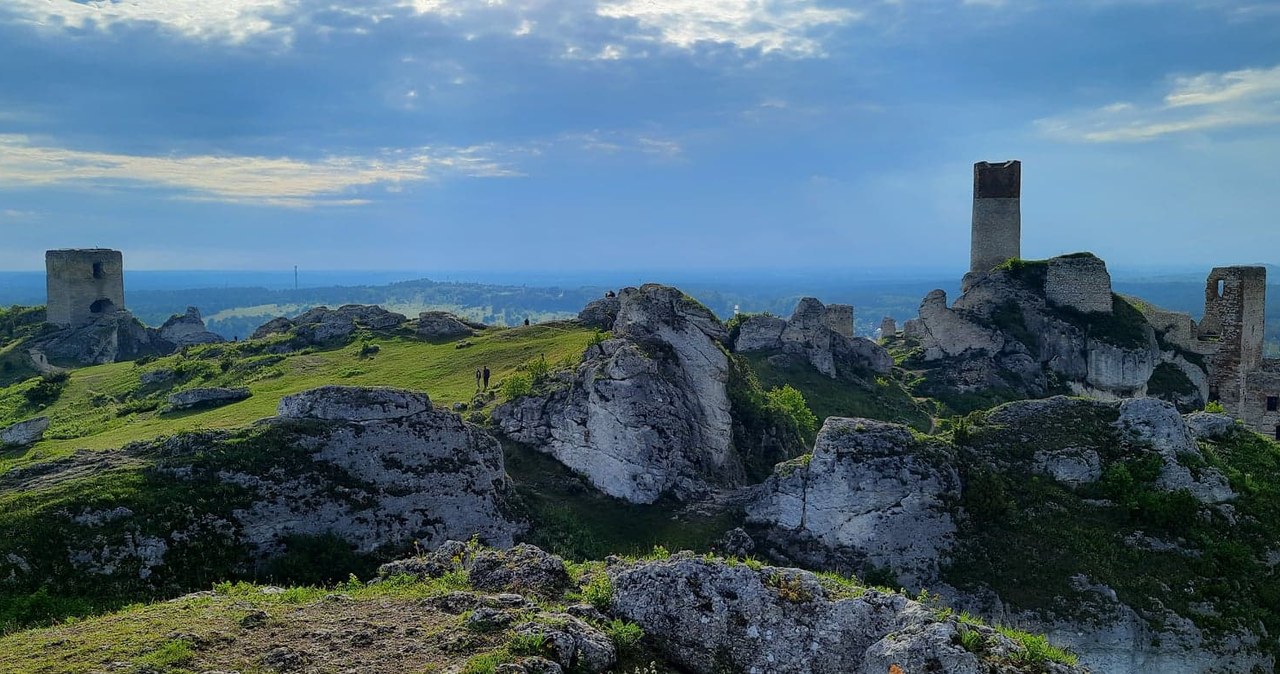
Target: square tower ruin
column 1235, row 316
column 83, row 284
column 997, row 214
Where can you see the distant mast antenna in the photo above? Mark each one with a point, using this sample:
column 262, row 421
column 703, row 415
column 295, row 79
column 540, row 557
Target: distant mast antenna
column 295, row 277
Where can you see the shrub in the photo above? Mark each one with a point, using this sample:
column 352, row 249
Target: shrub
column 791, row 402
column 625, row 635
column 599, row 591
column 47, row 390
column 517, row 385
column 538, row 369
column 527, row 644
column 1215, row 407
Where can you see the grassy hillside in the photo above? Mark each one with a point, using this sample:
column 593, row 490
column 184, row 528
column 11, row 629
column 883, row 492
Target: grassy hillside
column 106, row 406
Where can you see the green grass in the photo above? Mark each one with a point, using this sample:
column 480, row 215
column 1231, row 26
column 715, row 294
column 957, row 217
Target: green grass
column 103, row 407
column 883, row 398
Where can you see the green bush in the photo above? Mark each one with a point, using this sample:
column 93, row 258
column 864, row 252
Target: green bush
column 599, row 591
column 516, row 385
column 47, row 390
column 790, row 402
column 626, row 636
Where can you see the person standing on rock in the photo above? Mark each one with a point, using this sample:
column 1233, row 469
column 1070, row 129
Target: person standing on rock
column 486, row 377
column 479, row 374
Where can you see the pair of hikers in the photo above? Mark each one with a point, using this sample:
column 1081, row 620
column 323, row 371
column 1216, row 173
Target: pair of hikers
column 482, row 379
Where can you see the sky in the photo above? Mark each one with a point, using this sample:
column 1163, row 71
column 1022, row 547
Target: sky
column 677, row 135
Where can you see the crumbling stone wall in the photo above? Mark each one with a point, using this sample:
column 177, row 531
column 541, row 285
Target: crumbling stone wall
column 83, row 284
column 1234, row 316
column 997, row 214
column 1262, row 393
column 839, row 317
column 888, row 327
column 1080, row 282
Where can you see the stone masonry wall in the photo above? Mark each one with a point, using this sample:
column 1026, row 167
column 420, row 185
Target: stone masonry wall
column 997, row 214
column 1079, row 282
column 1235, row 315
column 839, row 317
column 83, row 284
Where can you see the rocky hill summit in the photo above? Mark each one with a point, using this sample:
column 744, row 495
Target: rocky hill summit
column 464, row 608
column 1029, row 329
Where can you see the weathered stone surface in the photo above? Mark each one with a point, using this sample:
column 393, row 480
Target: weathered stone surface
column 601, row 313
column 708, row 617
column 1072, row 466
column 645, row 414
column 353, row 403
column 948, row 333
column 1079, row 282
column 323, row 325
column 1158, row 424
column 1208, row 426
column 522, row 569
column 83, row 285
column 25, row 433
column 811, row 335
column 206, row 397
column 442, row 325
column 188, row 330
column 109, row 338
column 871, row 495
column 572, row 643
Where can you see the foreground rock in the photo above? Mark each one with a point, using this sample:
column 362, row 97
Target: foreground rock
column 646, row 413
column 709, row 617
column 368, row 469
column 870, row 496
column 25, row 433
column 995, row 519
column 197, row 398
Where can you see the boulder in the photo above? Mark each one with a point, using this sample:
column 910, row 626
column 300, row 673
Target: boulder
column 275, row 326
column 206, row 397
column 601, row 313
column 323, row 325
column 1072, row 466
column 1156, row 423
column 442, row 325
column 645, row 414
column 1209, row 426
column 871, row 495
column 188, row 330
column 25, row 433
column 708, row 617
column 522, row 569
column 572, row 643
column 353, row 403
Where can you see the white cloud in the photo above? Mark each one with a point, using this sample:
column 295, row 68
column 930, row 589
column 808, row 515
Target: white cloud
column 770, row 26
column 254, row 180
column 229, row 20
column 1196, row 103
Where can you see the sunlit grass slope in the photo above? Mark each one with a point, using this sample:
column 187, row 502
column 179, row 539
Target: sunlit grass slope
column 106, row 406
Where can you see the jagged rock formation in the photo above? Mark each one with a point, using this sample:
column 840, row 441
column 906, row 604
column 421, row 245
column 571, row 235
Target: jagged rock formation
column 809, row 336
column 374, row 468
column 874, row 497
column 869, row 492
column 111, row 338
column 709, row 617
column 1032, row 329
column 206, row 397
column 25, row 433
column 444, row 325
column 188, row 330
column 601, row 313
column 323, row 325
column 646, row 413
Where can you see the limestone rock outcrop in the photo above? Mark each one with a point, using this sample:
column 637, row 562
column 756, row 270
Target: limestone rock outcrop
column 353, row 403
column 809, row 336
column 645, row 414
column 443, row 325
column 24, row 433
column 1038, row 328
column 709, row 617
column 188, row 329
column 113, row 337
column 601, row 313
column 1157, row 423
column 206, row 397
column 870, row 496
column 324, row 325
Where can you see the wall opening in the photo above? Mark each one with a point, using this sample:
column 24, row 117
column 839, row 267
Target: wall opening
column 1220, row 287
column 1213, row 394
column 97, row 270
column 1277, row 432
column 1273, row 403
column 101, row 306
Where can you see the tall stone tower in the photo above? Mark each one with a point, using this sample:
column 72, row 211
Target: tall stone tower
column 1234, row 314
column 997, row 214
column 83, row 284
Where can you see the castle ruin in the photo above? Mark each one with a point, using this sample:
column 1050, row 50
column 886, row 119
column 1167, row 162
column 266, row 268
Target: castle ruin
column 1229, row 337
column 83, row 284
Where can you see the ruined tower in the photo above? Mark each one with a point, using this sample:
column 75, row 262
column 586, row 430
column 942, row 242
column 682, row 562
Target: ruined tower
column 997, row 214
column 1235, row 316
column 83, row 284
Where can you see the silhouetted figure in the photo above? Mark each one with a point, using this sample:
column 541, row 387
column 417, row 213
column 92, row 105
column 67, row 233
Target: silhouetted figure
column 479, row 374
column 526, row 322
column 486, row 377
column 610, row 294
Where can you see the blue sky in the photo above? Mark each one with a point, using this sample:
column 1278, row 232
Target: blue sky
column 639, row 134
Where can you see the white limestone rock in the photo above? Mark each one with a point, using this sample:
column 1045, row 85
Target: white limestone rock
column 206, row 397
column 1073, row 466
column 188, row 330
column 353, row 403
column 1157, row 423
column 24, row 433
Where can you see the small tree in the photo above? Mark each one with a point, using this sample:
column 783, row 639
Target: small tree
column 791, row 402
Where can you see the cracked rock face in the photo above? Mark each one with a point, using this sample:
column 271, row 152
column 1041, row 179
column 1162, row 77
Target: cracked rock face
column 871, row 495
column 645, row 414
column 353, row 403
column 188, row 330
column 111, row 338
column 809, row 335
column 1158, row 424
column 710, row 617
